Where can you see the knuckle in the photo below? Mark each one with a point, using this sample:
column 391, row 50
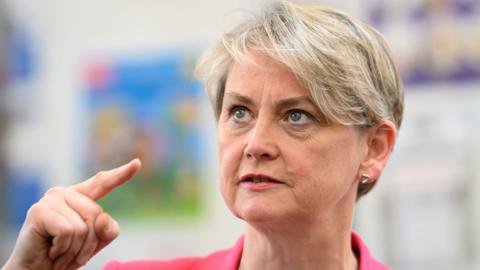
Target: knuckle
column 81, row 229
column 100, row 175
column 66, row 229
column 79, row 263
column 96, row 209
column 55, row 191
column 35, row 209
column 92, row 211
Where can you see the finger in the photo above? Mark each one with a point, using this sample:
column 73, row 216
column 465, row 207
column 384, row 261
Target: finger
column 51, row 225
column 89, row 246
column 88, row 210
column 80, row 231
column 106, row 229
column 61, row 242
column 101, row 184
column 69, row 256
column 86, row 252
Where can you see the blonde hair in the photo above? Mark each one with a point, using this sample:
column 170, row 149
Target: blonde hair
column 344, row 64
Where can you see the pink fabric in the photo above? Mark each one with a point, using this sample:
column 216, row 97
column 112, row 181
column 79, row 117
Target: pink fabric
column 366, row 261
column 225, row 259
column 229, row 259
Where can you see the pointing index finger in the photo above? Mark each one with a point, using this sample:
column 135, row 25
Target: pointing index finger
column 103, row 183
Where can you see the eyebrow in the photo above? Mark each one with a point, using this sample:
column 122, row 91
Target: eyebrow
column 241, row 98
column 282, row 103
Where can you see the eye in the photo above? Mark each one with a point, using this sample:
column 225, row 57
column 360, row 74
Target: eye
column 240, row 114
column 299, row 117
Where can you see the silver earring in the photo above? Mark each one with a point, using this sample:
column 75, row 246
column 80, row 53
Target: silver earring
column 364, row 178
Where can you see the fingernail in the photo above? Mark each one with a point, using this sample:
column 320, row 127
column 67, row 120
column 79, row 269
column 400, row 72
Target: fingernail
column 109, row 230
column 136, row 160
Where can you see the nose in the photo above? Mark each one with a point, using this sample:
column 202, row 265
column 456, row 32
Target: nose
column 261, row 144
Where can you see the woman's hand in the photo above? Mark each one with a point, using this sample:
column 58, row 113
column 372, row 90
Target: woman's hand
column 67, row 227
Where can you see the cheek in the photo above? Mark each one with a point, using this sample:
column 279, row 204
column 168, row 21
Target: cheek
column 313, row 174
column 325, row 171
column 230, row 155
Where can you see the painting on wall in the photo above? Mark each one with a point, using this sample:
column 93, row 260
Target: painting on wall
column 146, row 108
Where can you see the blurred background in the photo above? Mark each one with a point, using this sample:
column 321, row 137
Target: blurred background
column 87, row 85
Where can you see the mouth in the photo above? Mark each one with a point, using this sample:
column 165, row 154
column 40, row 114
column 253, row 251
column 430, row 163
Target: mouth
column 259, row 178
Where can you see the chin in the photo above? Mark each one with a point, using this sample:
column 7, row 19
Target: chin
column 255, row 211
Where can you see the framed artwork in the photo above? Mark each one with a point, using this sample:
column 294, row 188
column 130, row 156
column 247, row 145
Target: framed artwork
column 146, row 108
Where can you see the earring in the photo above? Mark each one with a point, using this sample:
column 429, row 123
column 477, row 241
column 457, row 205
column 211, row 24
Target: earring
column 364, row 178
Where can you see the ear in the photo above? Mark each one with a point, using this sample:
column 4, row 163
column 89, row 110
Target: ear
column 380, row 141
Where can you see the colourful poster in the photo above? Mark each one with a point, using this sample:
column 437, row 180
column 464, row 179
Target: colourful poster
column 147, row 109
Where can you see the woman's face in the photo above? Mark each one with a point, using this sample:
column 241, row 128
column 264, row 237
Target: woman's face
column 279, row 158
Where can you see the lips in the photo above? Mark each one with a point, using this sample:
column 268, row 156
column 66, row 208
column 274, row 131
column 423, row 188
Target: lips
column 258, row 178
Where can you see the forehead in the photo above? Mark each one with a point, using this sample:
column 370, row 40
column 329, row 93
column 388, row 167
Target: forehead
column 262, row 74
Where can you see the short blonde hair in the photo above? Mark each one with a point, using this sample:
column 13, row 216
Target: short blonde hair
column 344, row 64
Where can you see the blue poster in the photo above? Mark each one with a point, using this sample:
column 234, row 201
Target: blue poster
column 146, row 108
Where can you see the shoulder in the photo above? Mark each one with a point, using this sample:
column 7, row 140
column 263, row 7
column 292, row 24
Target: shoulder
column 366, row 261
column 227, row 259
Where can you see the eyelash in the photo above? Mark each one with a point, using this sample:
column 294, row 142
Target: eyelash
column 233, row 108
column 305, row 113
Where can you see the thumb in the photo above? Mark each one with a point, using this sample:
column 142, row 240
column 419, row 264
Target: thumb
column 106, row 229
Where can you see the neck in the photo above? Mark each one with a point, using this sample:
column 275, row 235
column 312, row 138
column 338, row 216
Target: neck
column 321, row 244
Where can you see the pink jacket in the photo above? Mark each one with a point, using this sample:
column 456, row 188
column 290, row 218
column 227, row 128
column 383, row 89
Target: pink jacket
column 229, row 259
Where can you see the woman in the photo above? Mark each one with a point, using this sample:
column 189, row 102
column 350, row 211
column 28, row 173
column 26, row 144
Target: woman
column 308, row 103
